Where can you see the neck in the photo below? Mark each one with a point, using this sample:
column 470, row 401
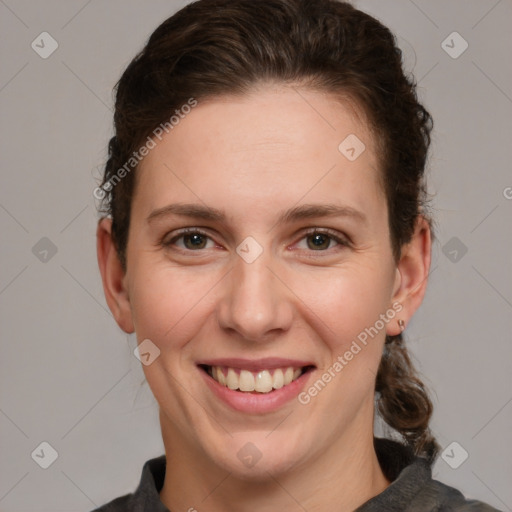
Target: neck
column 347, row 474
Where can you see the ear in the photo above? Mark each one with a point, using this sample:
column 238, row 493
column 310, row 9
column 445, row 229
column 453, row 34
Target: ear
column 412, row 275
column 113, row 276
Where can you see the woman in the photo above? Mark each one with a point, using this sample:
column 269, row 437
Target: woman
column 268, row 241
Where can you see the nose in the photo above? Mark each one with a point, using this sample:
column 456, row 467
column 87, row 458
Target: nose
column 255, row 303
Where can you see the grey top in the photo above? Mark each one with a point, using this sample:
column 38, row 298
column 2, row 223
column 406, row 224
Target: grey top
column 412, row 488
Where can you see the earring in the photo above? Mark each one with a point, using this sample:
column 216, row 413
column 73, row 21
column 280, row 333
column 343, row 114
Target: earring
column 401, row 324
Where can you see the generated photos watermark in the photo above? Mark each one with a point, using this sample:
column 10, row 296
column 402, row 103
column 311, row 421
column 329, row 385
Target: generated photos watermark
column 137, row 156
column 355, row 348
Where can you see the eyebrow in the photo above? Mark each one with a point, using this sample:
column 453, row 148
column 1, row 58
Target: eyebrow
column 306, row 211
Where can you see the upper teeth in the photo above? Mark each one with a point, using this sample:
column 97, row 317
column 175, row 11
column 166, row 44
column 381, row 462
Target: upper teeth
column 262, row 381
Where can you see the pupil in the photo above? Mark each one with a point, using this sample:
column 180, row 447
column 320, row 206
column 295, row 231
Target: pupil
column 319, row 241
column 195, row 241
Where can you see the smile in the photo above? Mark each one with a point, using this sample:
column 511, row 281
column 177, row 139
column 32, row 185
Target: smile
column 255, row 386
column 261, row 381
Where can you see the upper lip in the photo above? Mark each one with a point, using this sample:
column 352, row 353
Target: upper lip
column 267, row 363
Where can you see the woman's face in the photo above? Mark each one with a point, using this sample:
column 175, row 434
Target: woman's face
column 286, row 263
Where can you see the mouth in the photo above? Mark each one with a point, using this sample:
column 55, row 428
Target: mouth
column 260, row 381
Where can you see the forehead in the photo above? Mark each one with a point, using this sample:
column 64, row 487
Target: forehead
column 277, row 142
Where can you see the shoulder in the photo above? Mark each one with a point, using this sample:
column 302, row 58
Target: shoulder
column 444, row 498
column 124, row 503
column 412, row 487
column 146, row 497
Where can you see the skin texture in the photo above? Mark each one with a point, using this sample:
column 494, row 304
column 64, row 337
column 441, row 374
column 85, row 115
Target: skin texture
column 253, row 157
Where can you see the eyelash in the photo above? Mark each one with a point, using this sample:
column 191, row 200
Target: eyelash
column 333, row 235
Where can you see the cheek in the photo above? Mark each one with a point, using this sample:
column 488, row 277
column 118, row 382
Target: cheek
column 346, row 301
column 169, row 304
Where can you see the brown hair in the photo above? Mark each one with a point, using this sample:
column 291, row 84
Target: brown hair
column 217, row 47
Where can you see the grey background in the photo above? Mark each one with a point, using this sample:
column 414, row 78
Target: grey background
column 67, row 373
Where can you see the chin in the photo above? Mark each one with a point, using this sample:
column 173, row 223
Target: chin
column 257, row 458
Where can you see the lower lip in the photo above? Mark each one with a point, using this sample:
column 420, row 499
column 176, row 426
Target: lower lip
column 257, row 403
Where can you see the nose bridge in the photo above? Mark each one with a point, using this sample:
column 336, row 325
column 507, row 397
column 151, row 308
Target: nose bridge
column 255, row 303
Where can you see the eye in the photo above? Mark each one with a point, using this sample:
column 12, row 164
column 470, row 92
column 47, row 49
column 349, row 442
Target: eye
column 191, row 239
column 321, row 240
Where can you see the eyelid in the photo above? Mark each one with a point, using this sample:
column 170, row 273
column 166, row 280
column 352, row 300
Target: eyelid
column 182, row 232
column 342, row 240
column 335, row 235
